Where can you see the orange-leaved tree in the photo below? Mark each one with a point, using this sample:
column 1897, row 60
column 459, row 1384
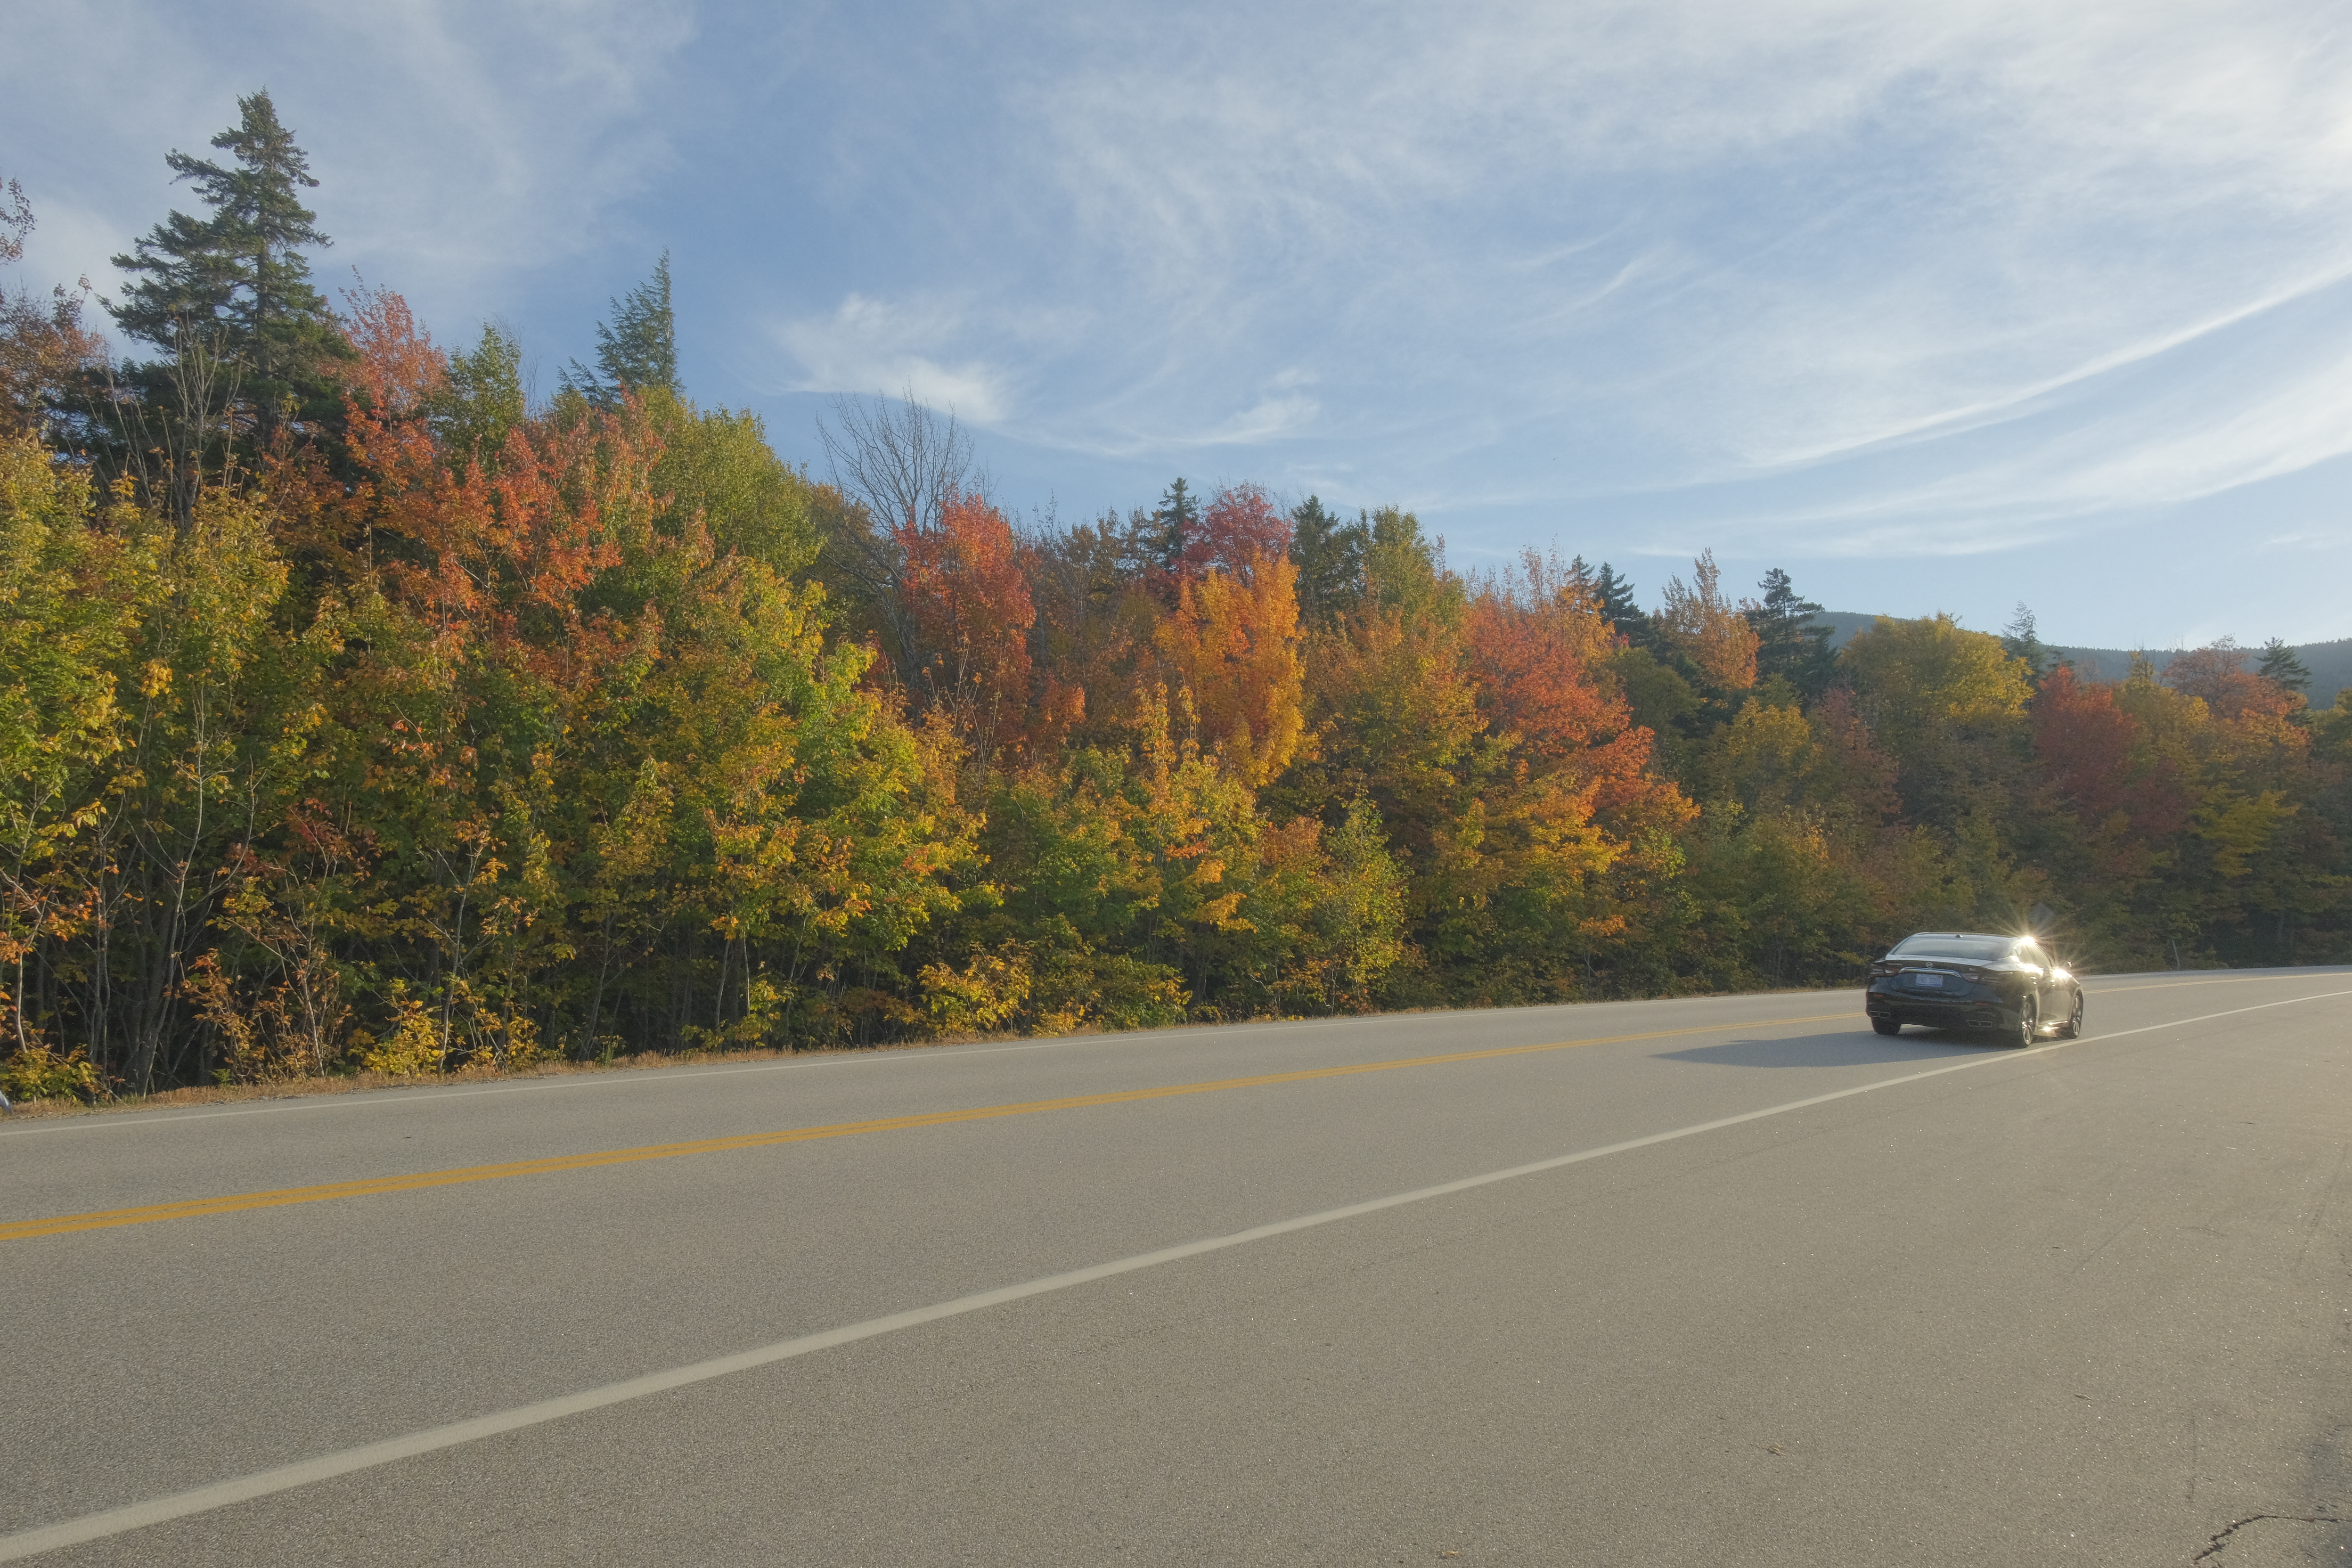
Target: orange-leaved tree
column 1537, row 641
column 1241, row 523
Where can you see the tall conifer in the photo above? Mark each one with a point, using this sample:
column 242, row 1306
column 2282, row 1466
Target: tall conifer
column 1618, row 607
column 2280, row 664
column 1179, row 515
column 231, row 287
column 1329, row 555
column 637, row 351
column 1789, row 642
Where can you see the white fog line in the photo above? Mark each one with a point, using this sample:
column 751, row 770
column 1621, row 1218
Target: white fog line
column 370, row 1455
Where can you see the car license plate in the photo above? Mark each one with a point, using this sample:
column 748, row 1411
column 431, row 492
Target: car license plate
column 1931, row 981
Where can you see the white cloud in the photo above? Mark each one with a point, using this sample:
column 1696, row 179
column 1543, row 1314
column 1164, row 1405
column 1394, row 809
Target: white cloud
column 866, row 345
column 1270, row 418
column 1277, row 416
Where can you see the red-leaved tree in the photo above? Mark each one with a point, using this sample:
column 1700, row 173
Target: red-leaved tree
column 971, row 610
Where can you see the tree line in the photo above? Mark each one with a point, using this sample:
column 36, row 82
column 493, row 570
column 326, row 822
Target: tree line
column 359, row 709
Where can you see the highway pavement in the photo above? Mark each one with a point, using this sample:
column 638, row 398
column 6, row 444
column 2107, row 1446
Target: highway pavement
column 1728, row 1280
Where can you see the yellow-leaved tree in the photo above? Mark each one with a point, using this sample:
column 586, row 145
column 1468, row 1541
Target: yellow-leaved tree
column 1707, row 628
column 1235, row 642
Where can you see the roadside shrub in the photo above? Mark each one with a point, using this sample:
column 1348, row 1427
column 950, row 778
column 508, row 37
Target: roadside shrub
column 36, row 1072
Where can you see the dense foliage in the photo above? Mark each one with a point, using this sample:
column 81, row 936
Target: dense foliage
column 357, row 711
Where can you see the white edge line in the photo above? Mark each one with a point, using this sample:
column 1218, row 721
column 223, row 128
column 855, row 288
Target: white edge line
column 369, row 1456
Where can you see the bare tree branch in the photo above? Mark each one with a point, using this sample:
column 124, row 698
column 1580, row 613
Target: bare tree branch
column 898, row 463
column 902, row 460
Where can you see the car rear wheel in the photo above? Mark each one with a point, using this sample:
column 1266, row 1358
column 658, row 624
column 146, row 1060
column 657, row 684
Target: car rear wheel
column 1886, row 1026
column 2029, row 1024
column 2071, row 1029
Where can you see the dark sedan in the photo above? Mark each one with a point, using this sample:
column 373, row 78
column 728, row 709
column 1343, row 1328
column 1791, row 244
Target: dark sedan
column 1969, row 980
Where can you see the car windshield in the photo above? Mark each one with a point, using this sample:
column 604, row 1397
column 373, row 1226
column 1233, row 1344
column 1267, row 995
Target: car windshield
column 1979, row 947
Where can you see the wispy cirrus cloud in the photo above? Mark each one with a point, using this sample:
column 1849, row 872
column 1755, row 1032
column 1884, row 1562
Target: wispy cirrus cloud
column 1693, row 243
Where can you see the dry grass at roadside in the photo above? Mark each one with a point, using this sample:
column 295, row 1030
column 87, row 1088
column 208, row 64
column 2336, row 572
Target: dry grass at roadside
column 360, row 1082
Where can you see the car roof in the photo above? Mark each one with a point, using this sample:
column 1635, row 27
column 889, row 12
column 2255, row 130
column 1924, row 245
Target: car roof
column 1980, row 935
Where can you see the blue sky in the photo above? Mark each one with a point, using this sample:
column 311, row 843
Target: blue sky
column 1938, row 306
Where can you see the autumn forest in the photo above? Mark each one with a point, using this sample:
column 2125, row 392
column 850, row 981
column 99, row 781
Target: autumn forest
column 361, row 709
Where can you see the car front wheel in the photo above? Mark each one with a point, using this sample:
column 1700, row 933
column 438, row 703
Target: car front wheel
column 2029, row 1024
column 2071, row 1029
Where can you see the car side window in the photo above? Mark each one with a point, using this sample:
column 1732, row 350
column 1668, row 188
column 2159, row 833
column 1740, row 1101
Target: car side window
column 2033, row 955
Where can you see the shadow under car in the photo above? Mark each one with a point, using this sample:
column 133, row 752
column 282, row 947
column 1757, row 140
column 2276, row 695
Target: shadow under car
column 1848, row 1047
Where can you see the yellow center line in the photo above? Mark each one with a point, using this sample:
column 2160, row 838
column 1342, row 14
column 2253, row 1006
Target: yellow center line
column 233, row 1203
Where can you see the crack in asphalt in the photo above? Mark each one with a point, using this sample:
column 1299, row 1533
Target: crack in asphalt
column 2213, row 1547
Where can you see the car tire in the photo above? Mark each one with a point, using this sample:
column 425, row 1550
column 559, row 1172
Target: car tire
column 2029, row 1024
column 2071, row 1029
column 1886, row 1026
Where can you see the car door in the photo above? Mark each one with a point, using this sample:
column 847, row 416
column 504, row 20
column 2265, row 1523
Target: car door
column 2046, row 984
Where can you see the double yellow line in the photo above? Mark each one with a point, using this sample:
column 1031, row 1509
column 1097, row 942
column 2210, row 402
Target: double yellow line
column 238, row 1203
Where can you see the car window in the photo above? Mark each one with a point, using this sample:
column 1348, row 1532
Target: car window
column 1976, row 947
column 2029, row 953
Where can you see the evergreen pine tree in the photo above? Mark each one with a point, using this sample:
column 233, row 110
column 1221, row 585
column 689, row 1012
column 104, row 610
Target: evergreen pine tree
column 230, row 291
column 2022, row 639
column 2280, row 664
column 1179, row 513
column 1789, row 642
column 1329, row 555
column 637, row 350
column 1615, row 596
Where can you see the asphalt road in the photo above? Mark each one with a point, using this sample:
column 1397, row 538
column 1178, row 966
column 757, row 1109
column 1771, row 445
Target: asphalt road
column 1721, row 1281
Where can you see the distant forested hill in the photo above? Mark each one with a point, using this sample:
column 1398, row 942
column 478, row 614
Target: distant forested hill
column 2330, row 663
